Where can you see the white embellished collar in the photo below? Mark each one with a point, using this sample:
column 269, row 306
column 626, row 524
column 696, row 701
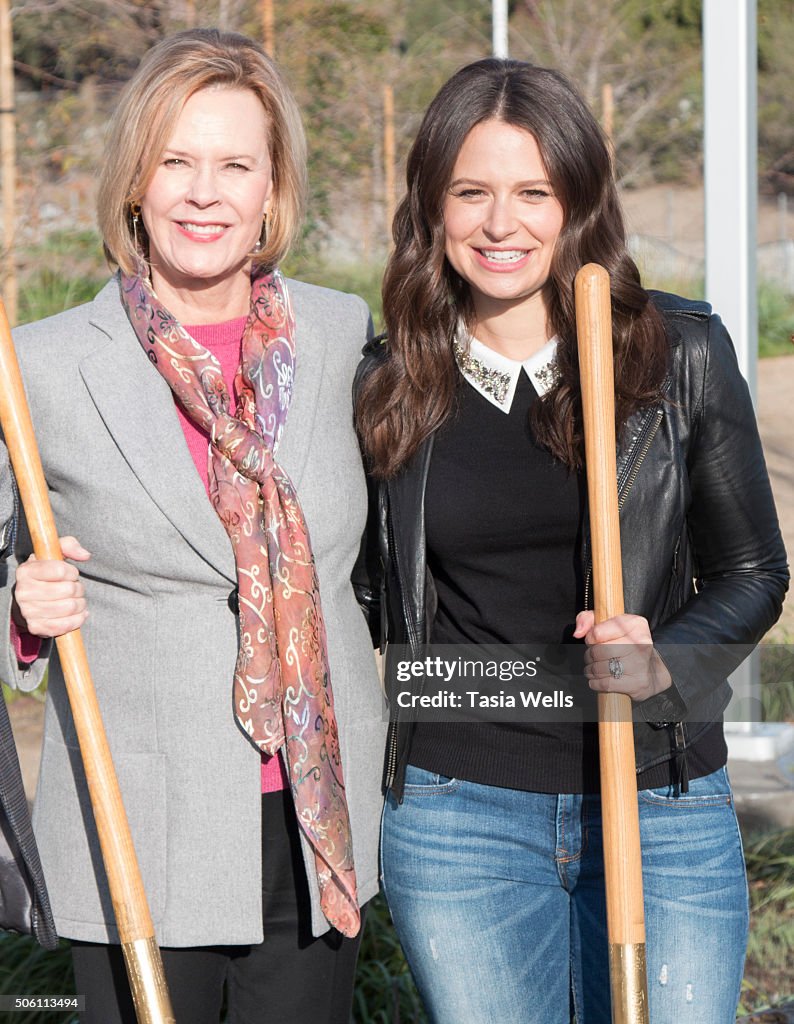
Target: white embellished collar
column 495, row 376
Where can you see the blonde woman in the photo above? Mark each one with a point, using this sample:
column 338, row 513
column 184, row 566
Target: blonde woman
column 196, row 433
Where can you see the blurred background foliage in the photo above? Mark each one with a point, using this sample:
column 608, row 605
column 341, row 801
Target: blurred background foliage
column 338, row 55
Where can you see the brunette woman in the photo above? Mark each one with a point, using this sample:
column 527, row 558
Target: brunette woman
column 470, row 415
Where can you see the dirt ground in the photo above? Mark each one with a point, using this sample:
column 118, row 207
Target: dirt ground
column 675, row 215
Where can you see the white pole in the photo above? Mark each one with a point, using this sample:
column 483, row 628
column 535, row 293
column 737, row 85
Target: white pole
column 731, row 174
column 731, row 201
column 499, row 28
column 729, row 169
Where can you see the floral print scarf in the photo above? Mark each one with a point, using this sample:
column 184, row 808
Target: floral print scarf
column 282, row 688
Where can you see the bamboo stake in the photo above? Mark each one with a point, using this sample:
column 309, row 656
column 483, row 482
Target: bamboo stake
column 136, row 930
column 269, row 28
column 366, row 212
column 9, row 158
column 621, row 827
column 388, row 155
column 608, row 114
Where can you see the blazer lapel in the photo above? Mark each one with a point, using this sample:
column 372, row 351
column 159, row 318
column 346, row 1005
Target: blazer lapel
column 138, row 410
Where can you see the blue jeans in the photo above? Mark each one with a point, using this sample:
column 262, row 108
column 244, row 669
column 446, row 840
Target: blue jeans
column 497, row 896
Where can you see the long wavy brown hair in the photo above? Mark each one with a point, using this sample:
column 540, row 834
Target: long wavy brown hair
column 411, row 391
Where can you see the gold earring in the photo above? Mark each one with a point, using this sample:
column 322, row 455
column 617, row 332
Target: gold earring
column 263, row 236
column 135, row 210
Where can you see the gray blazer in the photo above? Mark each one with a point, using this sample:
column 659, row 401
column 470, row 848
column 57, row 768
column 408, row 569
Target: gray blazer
column 161, row 638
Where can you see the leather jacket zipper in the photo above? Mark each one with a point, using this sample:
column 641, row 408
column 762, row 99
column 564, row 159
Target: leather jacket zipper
column 391, row 755
column 640, row 458
column 681, row 757
column 588, row 573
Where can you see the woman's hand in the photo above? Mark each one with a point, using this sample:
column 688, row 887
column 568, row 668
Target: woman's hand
column 620, row 656
column 48, row 595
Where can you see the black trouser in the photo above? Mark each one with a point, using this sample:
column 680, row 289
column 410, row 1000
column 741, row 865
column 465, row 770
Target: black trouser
column 290, row 978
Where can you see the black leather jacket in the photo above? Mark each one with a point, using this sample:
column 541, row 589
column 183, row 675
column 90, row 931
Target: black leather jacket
column 703, row 558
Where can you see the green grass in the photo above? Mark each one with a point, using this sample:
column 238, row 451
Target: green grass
column 71, row 246
column 28, row 970
column 356, row 278
column 770, row 952
column 775, row 321
column 385, row 992
column 777, row 679
column 68, row 270
column 48, row 293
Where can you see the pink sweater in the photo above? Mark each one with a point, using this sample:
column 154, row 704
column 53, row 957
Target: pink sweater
column 223, row 340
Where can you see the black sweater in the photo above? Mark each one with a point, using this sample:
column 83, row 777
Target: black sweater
column 504, row 527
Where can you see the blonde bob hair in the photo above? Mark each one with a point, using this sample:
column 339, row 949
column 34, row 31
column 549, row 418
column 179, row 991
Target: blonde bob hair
column 143, row 123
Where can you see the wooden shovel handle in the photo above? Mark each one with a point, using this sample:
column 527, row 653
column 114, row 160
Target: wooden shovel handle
column 130, row 906
column 620, row 816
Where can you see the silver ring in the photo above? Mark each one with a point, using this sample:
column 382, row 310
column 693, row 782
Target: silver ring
column 615, row 668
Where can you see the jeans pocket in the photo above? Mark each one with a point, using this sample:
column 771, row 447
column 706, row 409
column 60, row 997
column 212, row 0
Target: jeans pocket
column 420, row 782
column 712, row 790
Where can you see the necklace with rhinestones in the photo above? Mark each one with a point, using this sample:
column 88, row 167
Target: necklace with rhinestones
column 495, row 382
